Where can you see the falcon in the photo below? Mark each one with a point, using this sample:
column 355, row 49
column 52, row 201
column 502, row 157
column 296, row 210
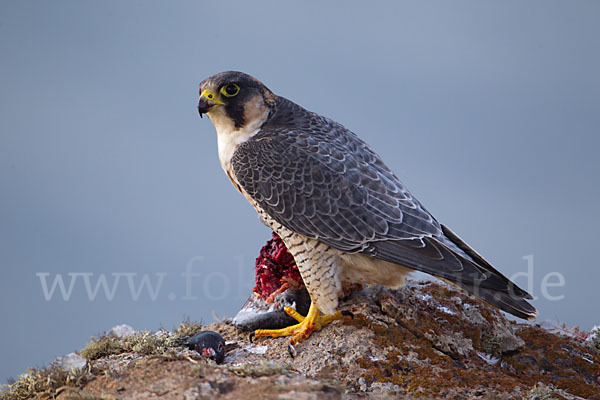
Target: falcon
column 341, row 212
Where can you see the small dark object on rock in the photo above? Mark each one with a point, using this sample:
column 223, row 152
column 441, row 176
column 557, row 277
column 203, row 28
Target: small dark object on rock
column 292, row 350
column 209, row 344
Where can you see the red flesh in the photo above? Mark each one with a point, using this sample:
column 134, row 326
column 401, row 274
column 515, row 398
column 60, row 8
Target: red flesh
column 274, row 267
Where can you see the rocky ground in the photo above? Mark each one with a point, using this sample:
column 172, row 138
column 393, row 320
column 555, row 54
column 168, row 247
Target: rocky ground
column 426, row 340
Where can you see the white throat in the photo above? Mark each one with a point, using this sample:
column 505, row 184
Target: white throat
column 229, row 137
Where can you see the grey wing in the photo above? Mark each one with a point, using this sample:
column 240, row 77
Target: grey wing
column 332, row 188
column 325, row 183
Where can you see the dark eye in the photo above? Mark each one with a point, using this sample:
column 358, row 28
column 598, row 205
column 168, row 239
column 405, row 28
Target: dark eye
column 230, row 90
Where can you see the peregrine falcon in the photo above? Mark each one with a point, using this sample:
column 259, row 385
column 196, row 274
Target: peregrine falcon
column 341, row 212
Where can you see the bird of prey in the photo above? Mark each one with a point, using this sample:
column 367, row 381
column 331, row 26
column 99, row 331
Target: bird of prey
column 341, row 212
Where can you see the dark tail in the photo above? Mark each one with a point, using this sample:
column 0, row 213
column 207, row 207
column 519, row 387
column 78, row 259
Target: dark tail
column 508, row 297
column 450, row 258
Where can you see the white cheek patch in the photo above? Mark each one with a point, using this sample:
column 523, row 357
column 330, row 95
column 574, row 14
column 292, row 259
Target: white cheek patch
column 222, row 122
column 229, row 137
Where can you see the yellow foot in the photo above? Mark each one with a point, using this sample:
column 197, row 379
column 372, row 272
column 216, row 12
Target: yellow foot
column 313, row 321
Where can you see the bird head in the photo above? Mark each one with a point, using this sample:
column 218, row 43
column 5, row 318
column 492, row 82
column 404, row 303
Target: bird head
column 232, row 99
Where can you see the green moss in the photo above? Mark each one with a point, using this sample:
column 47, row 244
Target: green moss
column 45, row 383
column 102, row 347
column 540, row 392
column 491, row 344
column 187, row 328
column 146, row 343
column 593, row 341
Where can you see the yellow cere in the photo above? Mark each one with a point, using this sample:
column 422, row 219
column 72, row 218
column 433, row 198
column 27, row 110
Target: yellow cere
column 212, row 97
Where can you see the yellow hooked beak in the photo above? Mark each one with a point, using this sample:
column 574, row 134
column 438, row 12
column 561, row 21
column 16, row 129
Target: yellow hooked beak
column 208, row 100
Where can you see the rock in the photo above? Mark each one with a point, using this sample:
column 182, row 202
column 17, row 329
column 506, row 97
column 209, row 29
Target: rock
column 593, row 339
column 121, row 331
column 425, row 340
column 69, row 361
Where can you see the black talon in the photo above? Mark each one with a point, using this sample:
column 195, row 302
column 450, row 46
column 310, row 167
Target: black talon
column 292, row 350
column 348, row 314
column 251, row 336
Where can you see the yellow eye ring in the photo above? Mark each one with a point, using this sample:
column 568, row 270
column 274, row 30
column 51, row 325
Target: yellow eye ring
column 230, row 90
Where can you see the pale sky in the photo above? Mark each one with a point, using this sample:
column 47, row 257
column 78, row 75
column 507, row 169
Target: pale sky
column 489, row 112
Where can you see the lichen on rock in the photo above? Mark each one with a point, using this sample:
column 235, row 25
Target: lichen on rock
column 425, row 340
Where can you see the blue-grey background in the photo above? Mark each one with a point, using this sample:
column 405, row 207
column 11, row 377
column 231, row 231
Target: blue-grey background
column 488, row 111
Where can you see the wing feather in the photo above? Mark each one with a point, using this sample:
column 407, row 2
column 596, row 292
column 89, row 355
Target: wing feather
column 318, row 179
column 314, row 186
